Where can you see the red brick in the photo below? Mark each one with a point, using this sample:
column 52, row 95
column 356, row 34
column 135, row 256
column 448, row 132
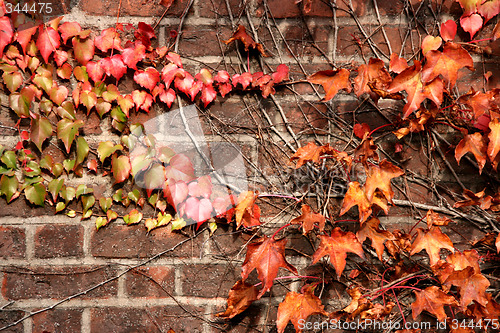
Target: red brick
column 151, row 319
column 91, row 122
column 63, row 321
column 57, row 282
column 12, row 242
column 21, row 208
column 139, row 284
column 202, row 40
column 53, row 241
column 8, row 317
column 214, row 9
column 120, row 241
column 394, row 7
column 8, row 118
column 208, row 280
column 301, row 40
column 288, row 9
column 131, row 8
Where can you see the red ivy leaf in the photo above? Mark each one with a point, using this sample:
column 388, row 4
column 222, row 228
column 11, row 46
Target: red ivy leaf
column 114, row 66
column 95, row 71
column 109, row 39
column 147, row 78
column 132, row 55
column 48, row 41
column 84, row 50
column 471, row 24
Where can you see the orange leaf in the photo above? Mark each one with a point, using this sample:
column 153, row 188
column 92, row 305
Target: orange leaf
column 366, row 149
column 298, row 307
column 397, row 64
column 336, row 247
column 473, row 143
column 410, row 81
column 370, row 229
column 247, row 212
column 431, row 43
column 469, row 258
column 240, row 297
column 379, row 177
column 432, row 240
column 266, row 256
column 497, row 243
column 308, row 219
column 472, row 286
column 446, row 63
column 332, row 82
column 311, row 153
column 375, row 73
column 494, row 143
column 432, row 299
column 356, row 196
column 434, row 218
column 247, row 40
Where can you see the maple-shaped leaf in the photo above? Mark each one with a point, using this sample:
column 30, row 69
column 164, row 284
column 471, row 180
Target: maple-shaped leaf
column 375, row 73
column 446, row 63
column 434, row 218
column 41, row 130
column 311, row 153
column 490, row 311
column 410, row 81
column 366, row 149
column 432, row 241
column 246, row 209
column 7, row 32
column 370, row 229
column 47, row 42
column 432, row 299
column 108, row 39
column 379, row 177
column 462, row 260
column 297, row 307
column 266, row 255
column 497, row 243
column 147, row 78
column 448, row 30
column 336, row 247
column 361, row 129
column 472, row 286
column 132, row 55
column 332, row 82
column 494, row 143
column 471, row 24
column 356, row 196
column 242, row 35
column 475, row 144
column 114, row 66
column 308, row 220
column 121, row 168
column 472, row 199
column 240, row 297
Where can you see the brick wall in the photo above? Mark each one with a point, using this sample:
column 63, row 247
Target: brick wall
column 127, row 280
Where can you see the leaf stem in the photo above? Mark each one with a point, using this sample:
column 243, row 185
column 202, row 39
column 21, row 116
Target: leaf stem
column 283, row 227
column 376, row 129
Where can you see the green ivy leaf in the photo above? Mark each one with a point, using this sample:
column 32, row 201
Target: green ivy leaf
column 102, row 107
column 8, row 186
column 118, row 125
column 66, row 110
column 82, row 150
column 68, row 193
column 111, row 215
column 43, row 82
column 69, row 165
column 71, row 213
column 178, row 223
column 46, row 105
column 47, row 162
column 80, row 73
column 55, row 186
column 105, row 203
column 32, row 169
column 87, row 214
column 135, row 195
column 67, row 130
column 21, row 102
column 133, row 217
column 107, row 148
column 100, row 222
column 9, row 159
column 118, row 115
column 89, row 99
column 82, row 189
column 154, row 178
column 35, row 194
column 120, row 167
column 88, row 202
column 111, row 93
column 60, row 206
column 41, row 130
column 57, row 169
column 12, row 80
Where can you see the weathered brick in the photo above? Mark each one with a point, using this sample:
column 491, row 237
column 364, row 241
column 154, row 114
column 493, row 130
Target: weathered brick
column 57, row 282
column 21, row 208
column 131, row 8
column 8, row 317
column 151, row 282
column 52, row 241
column 91, row 122
column 64, row 321
column 208, row 280
column 12, row 242
column 305, row 41
column 120, row 241
column 202, row 40
column 152, row 319
column 289, row 9
column 213, row 9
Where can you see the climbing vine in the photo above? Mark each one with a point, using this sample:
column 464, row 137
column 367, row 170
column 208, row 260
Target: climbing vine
column 57, row 73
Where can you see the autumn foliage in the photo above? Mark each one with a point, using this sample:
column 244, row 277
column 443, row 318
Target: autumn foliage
column 39, row 62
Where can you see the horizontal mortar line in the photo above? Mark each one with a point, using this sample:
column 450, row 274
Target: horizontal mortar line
column 118, row 302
